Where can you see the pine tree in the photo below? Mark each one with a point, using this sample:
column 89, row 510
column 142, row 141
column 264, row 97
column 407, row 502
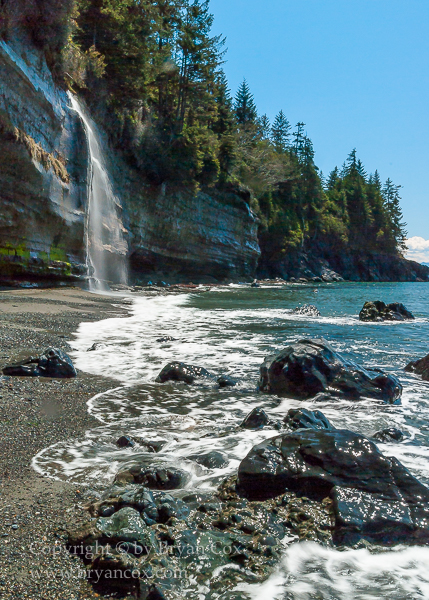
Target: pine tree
column 298, row 139
column 245, row 108
column 351, row 164
column 333, row 179
column 225, row 119
column 377, row 180
column 264, row 127
column 307, row 156
column 392, row 203
column 361, row 170
column 280, row 132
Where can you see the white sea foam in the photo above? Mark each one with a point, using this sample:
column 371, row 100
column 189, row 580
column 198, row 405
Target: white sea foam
column 231, row 331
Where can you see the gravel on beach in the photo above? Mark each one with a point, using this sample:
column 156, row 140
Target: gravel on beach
column 36, row 511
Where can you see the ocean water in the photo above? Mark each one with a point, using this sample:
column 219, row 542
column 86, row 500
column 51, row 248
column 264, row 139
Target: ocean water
column 230, row 330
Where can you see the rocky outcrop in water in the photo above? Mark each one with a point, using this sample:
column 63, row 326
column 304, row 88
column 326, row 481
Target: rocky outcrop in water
column 301, row 418
column 308, row 310
column 309, row 367
column 390, row 434
column 52, row 363
column 379, row 311
column 178, row 371
column 374, row 496
column 420, row 367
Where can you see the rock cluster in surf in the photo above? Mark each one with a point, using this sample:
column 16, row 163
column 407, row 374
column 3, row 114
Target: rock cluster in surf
column 379, row 311
column 309, row 480
column 309, row 367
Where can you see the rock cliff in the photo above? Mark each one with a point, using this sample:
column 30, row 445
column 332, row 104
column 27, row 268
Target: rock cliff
column 44, row 196
column 43, row 172
column 349, row 265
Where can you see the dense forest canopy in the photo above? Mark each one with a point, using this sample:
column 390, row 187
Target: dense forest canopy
column 154, row 70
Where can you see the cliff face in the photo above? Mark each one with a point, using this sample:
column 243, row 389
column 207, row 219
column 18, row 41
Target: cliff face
column 192, row 237
column 351, row 266
column 43, row 172
column 44, row 191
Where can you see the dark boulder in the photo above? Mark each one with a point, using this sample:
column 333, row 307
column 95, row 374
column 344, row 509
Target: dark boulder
column 152, row 445
column 154, row 477
column 256, row 419
column 226, row 381
column 52, row 363
column 125, row 442
column 308, row 310
column 178, row 371
column 301, row 418
column 388, row 435
column 210, row 460
column 379, row 311
column 309, row 367
column 420, row 367
column 374, row 496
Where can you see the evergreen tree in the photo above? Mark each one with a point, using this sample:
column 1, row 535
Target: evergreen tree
column 224, row 121
column 264, row 127
column 333, row 178
column 377, row 181
column 392, row 202
column 245, row 108
column 298, row 139
column 280, row 132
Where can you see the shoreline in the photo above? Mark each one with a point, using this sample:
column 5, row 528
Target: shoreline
column 35, row 413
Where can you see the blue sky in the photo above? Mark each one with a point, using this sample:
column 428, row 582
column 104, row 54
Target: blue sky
column 356, row 72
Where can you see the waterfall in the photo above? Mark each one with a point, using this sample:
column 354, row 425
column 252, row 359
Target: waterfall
column 106, row 247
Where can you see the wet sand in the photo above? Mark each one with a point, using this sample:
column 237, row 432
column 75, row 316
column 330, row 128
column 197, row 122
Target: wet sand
column 34, row 413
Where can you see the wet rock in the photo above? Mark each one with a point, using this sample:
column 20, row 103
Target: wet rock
column 256, row 419
column 152, row 445
column 167, row 338
column 420, row 367
column 194, row 536
column 379, row 311
column 125, row 442
column 388, row 435
column 374, row 496
column 155, row 477
column 210, row 460
column 96, row 346
column 178, row 371
column 126, row 525
column 308, row 310
column 301, row 418
column 310, row 367
column 226, row 381
column 52, row 363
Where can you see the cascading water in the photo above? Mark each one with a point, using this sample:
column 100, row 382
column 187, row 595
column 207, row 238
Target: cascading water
column 106, row 247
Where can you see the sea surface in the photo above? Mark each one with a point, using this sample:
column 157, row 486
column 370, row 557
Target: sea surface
column 230, row 330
